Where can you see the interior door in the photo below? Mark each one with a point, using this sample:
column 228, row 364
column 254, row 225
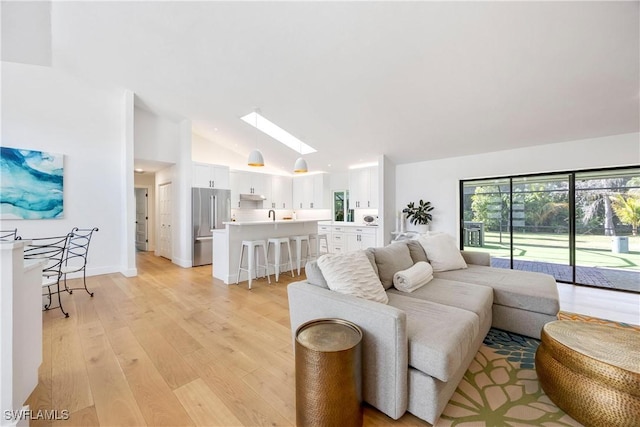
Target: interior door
column 142, row 218
column 165, row 220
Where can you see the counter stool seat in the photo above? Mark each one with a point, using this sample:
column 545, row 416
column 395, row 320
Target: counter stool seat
column 277, row 242
column 318, row 238
column 252, row 259
column 299, row 240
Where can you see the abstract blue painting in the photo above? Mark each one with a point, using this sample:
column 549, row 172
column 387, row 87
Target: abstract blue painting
column 30, row 184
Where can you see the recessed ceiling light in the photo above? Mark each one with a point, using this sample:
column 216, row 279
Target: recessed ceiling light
column 138, row 170
column 277, row 133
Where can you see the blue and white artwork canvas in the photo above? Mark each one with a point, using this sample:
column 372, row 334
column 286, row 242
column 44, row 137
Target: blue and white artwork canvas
column 30, row 184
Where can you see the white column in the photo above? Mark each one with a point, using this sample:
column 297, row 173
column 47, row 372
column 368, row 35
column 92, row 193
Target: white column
column 128, row 231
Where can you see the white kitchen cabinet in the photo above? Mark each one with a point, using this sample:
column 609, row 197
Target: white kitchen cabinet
column 338, row 240
column 360, row 238
column 206, row 175
column 281, row 192
column 349, row 237
column 363, row 188
column 311, row 192
column 242, row 182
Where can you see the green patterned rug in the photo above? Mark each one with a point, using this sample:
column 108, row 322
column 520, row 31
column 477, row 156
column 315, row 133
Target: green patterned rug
column 501, row 387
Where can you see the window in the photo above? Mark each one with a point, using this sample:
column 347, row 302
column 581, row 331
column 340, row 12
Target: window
column 581, row 227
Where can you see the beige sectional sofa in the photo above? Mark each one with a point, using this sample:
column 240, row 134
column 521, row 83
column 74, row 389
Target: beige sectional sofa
column 417, row 347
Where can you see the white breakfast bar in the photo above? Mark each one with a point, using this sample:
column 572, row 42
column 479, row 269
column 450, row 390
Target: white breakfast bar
column 227, row 242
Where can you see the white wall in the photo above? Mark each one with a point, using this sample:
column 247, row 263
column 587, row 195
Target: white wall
column 438, row 180
column 155, row 137
column 207, row 151
column 46, row 110
column 26, row 32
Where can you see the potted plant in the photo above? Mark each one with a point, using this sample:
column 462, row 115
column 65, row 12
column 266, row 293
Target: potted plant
column 419, row 215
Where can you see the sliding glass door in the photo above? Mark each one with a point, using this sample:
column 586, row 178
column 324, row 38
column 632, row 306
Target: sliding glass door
column 540, row 221
column 580, row 227
column 485, row 228
column 607, row 216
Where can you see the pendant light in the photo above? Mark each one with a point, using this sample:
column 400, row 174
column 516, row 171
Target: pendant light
column 255, row 157
column 300, row 166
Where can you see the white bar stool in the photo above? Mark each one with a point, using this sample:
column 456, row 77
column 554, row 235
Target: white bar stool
column 318, row 238
column 252, row 259
column 277, row 242
column 298, row 240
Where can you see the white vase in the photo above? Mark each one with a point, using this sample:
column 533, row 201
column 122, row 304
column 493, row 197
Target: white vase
column 423, row 228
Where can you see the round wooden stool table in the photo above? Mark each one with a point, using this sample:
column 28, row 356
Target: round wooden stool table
column 591, row 371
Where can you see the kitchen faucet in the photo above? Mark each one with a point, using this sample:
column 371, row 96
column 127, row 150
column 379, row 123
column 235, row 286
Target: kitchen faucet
column 274, row 214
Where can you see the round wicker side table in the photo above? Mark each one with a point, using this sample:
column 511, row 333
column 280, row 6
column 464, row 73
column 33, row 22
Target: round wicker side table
column 328, row 373
column 591, row 371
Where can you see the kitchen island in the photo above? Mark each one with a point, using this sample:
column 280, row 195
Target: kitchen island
column 227, row 242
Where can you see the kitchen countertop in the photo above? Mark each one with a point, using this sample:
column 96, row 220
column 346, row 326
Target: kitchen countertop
column 267, row 222
column 346, row 224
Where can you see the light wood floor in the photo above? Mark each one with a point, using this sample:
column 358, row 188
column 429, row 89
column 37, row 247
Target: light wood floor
column 173, row 347
column 176, row 347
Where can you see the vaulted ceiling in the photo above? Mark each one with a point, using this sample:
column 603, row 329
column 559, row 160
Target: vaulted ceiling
column 410, row 80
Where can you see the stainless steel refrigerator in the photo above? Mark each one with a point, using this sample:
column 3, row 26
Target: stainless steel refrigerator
column 210, row 208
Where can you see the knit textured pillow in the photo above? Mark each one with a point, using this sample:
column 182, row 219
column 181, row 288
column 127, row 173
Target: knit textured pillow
column 351, row 273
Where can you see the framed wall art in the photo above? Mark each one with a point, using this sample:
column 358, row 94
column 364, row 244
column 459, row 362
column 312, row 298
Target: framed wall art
column 31, row 184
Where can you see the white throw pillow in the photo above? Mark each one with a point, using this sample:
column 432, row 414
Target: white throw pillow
column 442, row 253
column 351, row 273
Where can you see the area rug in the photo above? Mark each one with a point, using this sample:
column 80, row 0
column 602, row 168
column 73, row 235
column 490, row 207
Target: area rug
column 501, row 387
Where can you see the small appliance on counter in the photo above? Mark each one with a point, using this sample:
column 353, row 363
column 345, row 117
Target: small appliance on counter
column 210, row 208
column 370, row 219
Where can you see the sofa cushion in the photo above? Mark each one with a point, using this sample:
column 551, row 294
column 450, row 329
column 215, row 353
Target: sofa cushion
column 512, row 288
column 351, row 273
column 391, row 259
column 442, row 252
column 440, row 336
column 468, row 296
column 416, row 251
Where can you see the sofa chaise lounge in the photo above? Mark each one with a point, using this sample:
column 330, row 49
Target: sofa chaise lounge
column 417, row 347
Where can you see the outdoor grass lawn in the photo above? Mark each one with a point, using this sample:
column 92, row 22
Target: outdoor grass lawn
column 591, row 251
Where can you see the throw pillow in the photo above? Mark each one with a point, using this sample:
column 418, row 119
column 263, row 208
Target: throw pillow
column 417, row 251
column 314, row 275
column 414, row 277
column 351, row 273
column 442, row 252
column 391, row 259
column 369, row 252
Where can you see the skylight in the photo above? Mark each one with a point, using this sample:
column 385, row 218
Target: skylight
column 277, row 133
